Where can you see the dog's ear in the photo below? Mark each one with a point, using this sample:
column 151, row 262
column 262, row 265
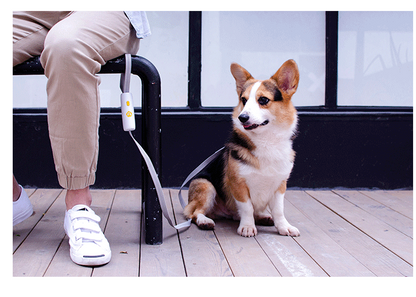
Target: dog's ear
column 287, row 77
column 241, row 76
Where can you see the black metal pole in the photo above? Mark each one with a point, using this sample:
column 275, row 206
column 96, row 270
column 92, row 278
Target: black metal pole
column 331, row 60
column 151, row 138
column 194, row 60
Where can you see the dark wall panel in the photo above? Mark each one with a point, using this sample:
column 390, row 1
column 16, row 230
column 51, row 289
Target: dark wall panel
column 337, row 149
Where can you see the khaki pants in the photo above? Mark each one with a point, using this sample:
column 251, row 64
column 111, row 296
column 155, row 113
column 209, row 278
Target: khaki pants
column 73, row 46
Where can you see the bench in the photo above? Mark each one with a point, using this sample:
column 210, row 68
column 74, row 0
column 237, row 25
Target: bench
column 151, row 130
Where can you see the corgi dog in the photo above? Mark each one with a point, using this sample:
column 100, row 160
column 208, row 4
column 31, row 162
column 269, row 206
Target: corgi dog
column 248, row 181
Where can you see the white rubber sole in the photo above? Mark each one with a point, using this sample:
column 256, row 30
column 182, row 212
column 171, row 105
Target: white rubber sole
column 22, row 208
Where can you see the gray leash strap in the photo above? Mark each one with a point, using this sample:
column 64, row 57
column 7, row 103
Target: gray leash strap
column 159, row 190
column 125, row 77
column 198, row 170
column 127, row 111
column 125, row 87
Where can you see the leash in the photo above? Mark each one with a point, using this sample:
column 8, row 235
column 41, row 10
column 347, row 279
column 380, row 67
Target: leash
column 129, row 124
column 159, row 191
column 197, row 170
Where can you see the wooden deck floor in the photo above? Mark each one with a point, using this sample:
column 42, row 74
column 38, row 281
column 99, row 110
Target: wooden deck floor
column 343, row 233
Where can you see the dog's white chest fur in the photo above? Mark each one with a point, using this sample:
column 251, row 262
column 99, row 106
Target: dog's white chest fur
column 275, row 160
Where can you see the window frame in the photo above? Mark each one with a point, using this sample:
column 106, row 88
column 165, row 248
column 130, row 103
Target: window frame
column 331, row 72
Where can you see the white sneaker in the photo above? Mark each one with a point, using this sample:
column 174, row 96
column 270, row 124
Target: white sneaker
column 22, row 208
column 89, row 247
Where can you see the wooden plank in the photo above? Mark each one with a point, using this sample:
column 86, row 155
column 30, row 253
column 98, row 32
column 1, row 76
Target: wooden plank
column 325, row 236
column 244, row 254
column 403, row 206
column 380, row 211
column 202, row 253
column 30, row 191
column 61, row 264
column 375, row 257
column 286, row 255
column 383, row 233
column 327, row 253
column 164, row 259
column 123, row 234
column 405, row 195
column 36, row 252
column 41, row 200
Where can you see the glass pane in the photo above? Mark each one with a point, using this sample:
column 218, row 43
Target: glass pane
column 167, row 49
column 375, row 60
column 29, row 91
column 261, row 42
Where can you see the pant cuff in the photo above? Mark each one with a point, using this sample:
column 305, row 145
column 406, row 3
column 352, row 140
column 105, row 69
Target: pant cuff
column 76, row 182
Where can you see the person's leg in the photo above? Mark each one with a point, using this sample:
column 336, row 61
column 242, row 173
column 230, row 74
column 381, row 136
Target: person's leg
column 29, row 32
column 77, row 197
column 16, row 190
column 75, row 49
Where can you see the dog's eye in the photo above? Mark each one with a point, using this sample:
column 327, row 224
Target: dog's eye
column 263, row 100
column 244, row 100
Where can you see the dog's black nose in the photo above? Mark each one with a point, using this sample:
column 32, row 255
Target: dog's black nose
column 243, row 117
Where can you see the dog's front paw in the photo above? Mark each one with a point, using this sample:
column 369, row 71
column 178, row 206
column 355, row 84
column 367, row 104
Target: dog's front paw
column 247, row 231
column 204, row 222
column 288, row 230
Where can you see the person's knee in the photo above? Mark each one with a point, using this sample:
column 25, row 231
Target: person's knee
column 60, row 44
column 66, row 49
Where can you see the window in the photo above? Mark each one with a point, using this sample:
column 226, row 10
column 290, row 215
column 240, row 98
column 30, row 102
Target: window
column 375, row 59
column 167, row 49
column 261, row 42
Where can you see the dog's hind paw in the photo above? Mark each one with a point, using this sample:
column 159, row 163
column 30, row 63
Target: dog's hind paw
column 204, row 222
